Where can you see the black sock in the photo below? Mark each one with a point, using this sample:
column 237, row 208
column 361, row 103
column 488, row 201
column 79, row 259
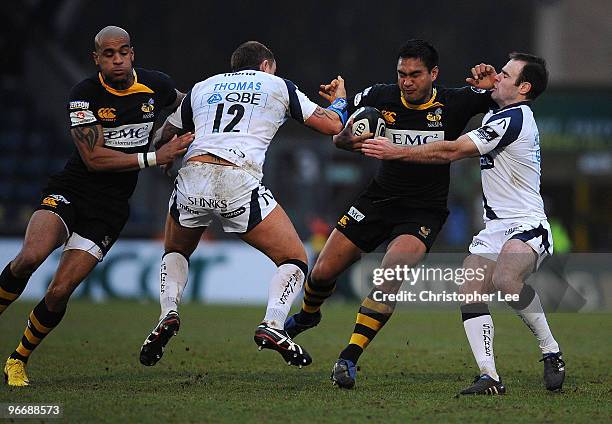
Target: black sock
column 352, row 353
column 10, row 287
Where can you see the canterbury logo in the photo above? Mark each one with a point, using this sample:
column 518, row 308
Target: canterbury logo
column 107, row 113
column 343, row 221
column 389, row 116
column 424, row 231
column 48, row 201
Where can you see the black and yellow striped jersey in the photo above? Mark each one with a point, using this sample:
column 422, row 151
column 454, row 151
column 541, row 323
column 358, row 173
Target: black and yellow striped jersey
column 443, row 117
column 126, row 117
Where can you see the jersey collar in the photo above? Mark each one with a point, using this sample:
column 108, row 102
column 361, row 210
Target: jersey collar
column 133, row 89
column 431, row 103
column 525, row 102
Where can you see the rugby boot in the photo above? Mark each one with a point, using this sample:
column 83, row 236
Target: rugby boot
column 153, row 347
column 344, row 374
column 485, row 385
column 14, row 373
column 278, row 340
column 554, row 371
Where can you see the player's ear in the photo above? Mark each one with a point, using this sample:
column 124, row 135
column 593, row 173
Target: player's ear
column 94, row 55
column 132, row 53
column 524, row 88
column 434, row 73
column 268, row 66
column 263, row 65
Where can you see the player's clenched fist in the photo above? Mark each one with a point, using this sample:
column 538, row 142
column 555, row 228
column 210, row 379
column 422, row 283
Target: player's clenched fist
column 483, row 76
column 334, row 90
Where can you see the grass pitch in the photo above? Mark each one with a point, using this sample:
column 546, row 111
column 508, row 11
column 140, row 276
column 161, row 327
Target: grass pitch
column 212, row 371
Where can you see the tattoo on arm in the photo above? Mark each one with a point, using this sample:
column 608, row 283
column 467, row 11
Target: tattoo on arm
column 87, row 135
column 319, row 111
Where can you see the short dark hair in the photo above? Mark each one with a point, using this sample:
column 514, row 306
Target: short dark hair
column 534, row 72
column 419, row 49
column 249, row 55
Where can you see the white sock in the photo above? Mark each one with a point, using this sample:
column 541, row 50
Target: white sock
column 173, row 279
column 480, row 332
column 284, row 288
column 533, row 316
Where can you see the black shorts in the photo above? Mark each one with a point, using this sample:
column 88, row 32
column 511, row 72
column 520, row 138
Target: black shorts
column 373, row 219
column 96, row 219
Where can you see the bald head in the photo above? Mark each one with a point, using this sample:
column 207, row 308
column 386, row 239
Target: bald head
column 114, row 56
column 110, row 33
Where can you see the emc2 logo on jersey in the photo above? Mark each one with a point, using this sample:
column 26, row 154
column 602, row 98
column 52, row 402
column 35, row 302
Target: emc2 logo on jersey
column 413, row 138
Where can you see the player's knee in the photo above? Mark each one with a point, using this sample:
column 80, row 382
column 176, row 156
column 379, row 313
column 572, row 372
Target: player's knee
column 57, row 297
column 26, row 263
column 323, row 273
column 505, row 281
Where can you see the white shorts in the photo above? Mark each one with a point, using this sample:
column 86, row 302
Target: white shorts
column 489, row 242
column 203, row 191
column 78, row 242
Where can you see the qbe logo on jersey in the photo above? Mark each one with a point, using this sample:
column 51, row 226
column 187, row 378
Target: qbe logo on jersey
column 231, row 111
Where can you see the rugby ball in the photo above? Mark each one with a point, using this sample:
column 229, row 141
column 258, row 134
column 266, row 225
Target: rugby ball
column 368, row 119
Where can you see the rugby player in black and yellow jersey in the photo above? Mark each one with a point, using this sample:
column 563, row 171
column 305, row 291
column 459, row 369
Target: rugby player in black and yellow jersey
column 85, row 206
column 404, row 204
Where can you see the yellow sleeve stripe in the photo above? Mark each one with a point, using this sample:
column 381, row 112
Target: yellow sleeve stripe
column 368, row 322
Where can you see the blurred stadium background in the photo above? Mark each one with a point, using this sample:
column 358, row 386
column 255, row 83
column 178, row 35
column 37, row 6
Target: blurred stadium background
column 46, row 48
column 211, row 372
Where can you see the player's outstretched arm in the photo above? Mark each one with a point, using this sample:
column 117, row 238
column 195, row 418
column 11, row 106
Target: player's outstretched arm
column 331, row 120
column 483, row 76
column 324, row 121
column 89, row 141
column 434, row 153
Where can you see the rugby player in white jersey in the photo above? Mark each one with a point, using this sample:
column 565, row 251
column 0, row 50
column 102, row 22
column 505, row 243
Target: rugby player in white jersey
column 517, row 236
column 234, row 117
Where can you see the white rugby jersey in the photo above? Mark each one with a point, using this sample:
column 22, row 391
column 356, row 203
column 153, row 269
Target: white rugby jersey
column 509, row 145
column 236, row 115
